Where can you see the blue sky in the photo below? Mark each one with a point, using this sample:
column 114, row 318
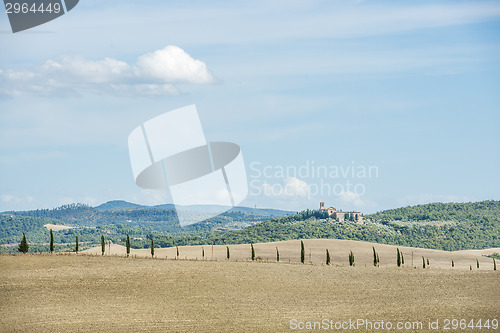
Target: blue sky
column 409, row 88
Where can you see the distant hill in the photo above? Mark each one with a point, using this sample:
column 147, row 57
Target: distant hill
column 121, row 204
column 262, row 211
column 469, row 212
column 117, row 218
column 118, row 204
column 446, row 226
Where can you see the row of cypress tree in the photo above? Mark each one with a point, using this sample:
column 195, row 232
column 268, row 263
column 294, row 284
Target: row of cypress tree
column 24, row 247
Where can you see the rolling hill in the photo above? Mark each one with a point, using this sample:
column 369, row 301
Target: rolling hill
column 115, row 219
column 443, row 226
column 316, row 253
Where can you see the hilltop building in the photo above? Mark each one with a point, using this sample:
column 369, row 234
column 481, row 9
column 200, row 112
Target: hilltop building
column 339, row 215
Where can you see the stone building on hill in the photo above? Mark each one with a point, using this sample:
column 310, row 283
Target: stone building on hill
column 340, row 215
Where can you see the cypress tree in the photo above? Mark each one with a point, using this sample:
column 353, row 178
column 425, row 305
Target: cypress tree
column 470, row 267
column 351, row 258
column 402, row 259
column 477, row 263
column 378, row 261
column 177, row 251
column 152, row 248
column 202, row 252
column 277, row 255
column 399, row 258
column 327, row 257
column 76, row 244
column 428, row 263
column 127, row 243
column 51, row 241
column 253, row 252
column 302, row 252
column 452, row 264
column 227, row 250
column 375, row 261
column 23, row 246
column 103, row 245
column 494, row 264
column 423, row 262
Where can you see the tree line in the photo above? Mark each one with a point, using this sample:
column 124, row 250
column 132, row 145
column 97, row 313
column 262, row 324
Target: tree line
column 24, row 248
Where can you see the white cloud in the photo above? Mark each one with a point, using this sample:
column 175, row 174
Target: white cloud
column 289, row 187
column 154, row 73
column 78, row 69
column 172, row 64
column 13, row 199
column 350, row 197
column 355, row 201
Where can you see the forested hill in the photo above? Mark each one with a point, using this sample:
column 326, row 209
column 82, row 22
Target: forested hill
column 116, row 219
column 446, row 226
column 470, row 212
column 450, row 226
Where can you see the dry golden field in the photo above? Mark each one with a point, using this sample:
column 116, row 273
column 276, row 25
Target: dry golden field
column 316, row 253
column 85, row 293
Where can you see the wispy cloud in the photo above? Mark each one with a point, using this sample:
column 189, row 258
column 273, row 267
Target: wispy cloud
column 300, row 19
column 288, row 188
column 154, row 73
column 356, row 201
column 14, row 199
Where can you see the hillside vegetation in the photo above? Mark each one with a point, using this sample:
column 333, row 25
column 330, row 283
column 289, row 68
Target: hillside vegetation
column 445, row 226
column 115, row 220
